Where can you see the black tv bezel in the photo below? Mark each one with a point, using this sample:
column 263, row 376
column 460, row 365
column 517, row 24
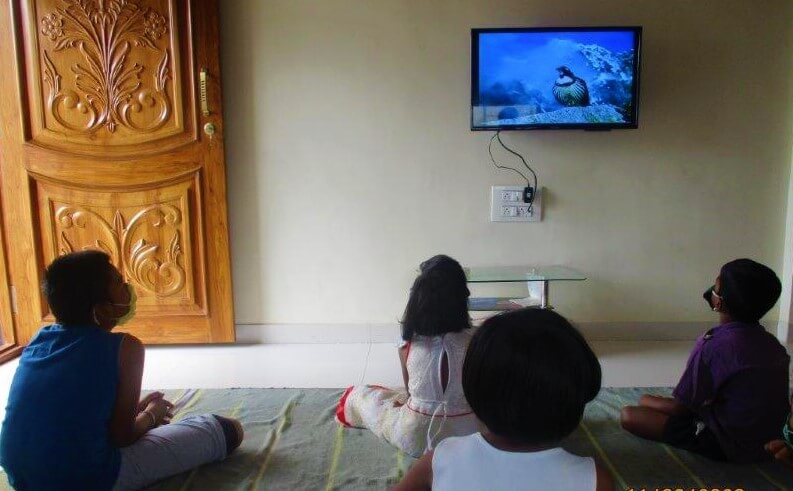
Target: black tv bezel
column 637, row 30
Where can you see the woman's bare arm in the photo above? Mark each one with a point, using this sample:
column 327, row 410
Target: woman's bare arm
column 126, row 424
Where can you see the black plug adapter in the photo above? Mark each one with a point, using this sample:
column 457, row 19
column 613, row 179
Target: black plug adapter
column 528, row 194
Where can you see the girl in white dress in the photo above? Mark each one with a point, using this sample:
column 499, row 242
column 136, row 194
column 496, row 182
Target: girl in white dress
column 435, row 335
column 528, row 375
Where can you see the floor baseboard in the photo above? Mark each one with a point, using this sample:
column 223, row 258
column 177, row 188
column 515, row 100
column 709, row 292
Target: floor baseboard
column 389, row 333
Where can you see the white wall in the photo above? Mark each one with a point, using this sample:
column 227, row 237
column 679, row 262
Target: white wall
column 350, row 157
column 786, row 300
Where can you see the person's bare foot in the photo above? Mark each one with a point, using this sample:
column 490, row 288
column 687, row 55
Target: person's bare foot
column 240, row 433
column 235, row 440
column 780, row 451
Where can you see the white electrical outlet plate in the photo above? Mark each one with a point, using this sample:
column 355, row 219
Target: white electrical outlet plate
column 506, row 205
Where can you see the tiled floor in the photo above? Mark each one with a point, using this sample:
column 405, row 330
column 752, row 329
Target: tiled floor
column 645, row 363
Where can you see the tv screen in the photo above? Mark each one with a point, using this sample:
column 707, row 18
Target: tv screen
column 542, row 78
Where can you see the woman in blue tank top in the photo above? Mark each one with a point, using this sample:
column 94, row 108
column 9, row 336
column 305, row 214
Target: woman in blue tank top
column 74, row 420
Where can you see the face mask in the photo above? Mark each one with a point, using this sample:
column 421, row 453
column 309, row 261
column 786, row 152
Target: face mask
column 133, row 300
column 708, row 296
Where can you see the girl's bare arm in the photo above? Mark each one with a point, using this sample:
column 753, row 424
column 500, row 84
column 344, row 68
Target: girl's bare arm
column 403, row 360
column 419, row 477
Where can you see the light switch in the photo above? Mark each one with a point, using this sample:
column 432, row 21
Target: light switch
column 506, row 205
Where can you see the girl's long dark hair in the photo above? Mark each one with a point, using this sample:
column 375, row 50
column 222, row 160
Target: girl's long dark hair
column 438, row 300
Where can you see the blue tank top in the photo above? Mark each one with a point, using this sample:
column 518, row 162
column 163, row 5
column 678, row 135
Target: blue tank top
column 55, row 435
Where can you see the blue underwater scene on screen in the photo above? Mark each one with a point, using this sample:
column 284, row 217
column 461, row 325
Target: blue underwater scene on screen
column 555, row 78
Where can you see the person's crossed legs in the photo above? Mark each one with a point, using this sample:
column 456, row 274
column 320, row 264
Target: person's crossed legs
column 649, row 418
column 177, row 447
column 666, row 420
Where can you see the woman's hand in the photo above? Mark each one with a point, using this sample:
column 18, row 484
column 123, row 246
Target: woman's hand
column 160, row 409
column 146, row 400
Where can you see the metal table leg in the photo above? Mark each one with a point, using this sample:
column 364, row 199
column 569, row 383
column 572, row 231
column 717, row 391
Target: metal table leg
column 538, row 290
column 544, row 297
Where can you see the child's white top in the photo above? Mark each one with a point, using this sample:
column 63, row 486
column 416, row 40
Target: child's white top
column 470, row 463
column 424, row 368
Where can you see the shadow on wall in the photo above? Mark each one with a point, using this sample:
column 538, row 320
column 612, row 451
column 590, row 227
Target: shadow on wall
column 243, row 146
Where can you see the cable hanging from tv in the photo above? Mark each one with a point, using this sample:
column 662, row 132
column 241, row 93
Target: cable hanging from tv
column 531, row 188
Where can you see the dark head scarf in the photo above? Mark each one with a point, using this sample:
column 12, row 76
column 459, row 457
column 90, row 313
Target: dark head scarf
column 749, row 289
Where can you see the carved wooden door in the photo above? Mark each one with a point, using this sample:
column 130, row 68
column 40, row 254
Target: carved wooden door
column 105, row 145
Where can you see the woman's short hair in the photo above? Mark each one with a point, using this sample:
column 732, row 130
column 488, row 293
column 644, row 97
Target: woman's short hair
column 528, row 374
column 438, row 300
column 75, row 283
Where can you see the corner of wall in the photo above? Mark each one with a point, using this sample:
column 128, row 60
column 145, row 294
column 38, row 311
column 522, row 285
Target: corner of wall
column 786, row 300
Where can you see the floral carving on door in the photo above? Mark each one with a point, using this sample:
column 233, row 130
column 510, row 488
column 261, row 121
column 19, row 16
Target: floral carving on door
column 152, row 264
column 106, row 87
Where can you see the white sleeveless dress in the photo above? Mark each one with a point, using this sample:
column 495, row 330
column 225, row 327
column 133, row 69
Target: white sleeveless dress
column 471, row 463
column 417, row 422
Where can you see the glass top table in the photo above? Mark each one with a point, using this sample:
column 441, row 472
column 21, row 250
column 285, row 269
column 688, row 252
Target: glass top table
column 514, row 274
column 518, row 274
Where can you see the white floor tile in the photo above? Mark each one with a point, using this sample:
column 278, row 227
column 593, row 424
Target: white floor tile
column 624, row 364
column 642, row 363
column 645, row 363
column 6, row 375
column 383, row 366
column 274, row 365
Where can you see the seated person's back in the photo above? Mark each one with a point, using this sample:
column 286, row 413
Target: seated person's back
column 435, row 335
column 60, row 404
column 736, row 383
column 527, row 375
column 75, row 420
column 733, row 394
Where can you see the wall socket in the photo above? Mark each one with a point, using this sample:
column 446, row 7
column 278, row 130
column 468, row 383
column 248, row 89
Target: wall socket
column 506, row 205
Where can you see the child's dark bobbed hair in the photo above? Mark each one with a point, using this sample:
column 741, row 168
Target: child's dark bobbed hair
column 75, row 283
column 528, row 375
column 438, row 300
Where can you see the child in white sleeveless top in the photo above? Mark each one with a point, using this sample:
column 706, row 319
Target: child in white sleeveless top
column 527, row 375
column 435, row 332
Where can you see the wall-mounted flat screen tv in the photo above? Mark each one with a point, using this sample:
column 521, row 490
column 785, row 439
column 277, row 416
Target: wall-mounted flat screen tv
column 552, row 78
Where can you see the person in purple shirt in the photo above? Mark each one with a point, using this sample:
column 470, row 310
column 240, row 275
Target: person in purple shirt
column 733, row 395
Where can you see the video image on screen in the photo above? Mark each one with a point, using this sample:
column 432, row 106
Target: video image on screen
column 542, row 78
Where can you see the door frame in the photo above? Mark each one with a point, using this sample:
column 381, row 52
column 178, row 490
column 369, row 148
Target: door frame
column 12, row 136
column 9, row 348
column 11, row 345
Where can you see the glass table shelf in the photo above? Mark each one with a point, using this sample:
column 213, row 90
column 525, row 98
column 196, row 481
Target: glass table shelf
column 518, row 274
column 500, row 304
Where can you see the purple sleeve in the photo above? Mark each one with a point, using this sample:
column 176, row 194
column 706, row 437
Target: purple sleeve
column 696, row 384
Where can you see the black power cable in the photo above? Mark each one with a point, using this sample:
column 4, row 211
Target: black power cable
column 532, row 191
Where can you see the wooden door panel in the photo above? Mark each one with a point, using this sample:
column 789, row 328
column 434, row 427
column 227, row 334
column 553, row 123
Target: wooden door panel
column 102, row 151
column 105, row 78
column 154, row 236
column 110, row 173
